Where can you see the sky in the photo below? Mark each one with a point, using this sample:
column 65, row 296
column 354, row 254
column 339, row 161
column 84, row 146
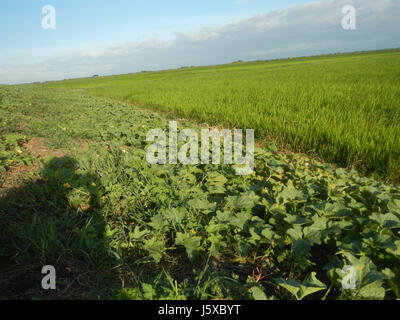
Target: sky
column 122, row 36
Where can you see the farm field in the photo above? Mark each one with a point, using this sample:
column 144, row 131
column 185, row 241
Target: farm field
column 344, row 109
column 76, row 191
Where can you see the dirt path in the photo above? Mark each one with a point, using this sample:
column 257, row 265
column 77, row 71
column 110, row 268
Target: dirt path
column 37, row 149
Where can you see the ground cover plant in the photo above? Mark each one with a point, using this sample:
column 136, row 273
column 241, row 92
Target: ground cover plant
column 342, row 108
column 116, row 227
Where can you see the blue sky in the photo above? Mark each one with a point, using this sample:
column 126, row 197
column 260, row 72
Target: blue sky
column 120, row 36
column 96, row 24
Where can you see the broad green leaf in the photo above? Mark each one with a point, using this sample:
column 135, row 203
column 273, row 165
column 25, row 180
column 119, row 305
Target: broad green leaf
column 243, row 246
column 365, row 270
column 384, row 241
column 191, row 243
column 246, row 200
column 110, row 233
column 338, row 210
column 295, row 233
column 202, row 205
column 296, row 219
column 216, row 189
column 225, row 217
column 158, row 222
column 216, row 179
column 388, row 221
column 254, row 236
column 395, row 249
column 258, row 294
column 155, row 248
column 373, row 291
column 332, row 268
column 351, row 245
column 138, row 235
column 268, row 233
column 216, row 227
column 394, row 205
column 241, row 219
column 175, row 215
column 217, row 242
column 301, row 247
column 289, row 194
column 149, row 293
column 314, row 232
column 300, row 290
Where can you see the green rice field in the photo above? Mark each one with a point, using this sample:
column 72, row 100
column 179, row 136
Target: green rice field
column 342, row 108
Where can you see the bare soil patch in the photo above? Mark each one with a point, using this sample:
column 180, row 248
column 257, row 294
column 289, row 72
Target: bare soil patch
column 38, row 147
column 16, row 174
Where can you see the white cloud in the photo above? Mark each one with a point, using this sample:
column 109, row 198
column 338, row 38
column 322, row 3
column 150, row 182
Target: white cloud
column 93, row 54
column 314, row 28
